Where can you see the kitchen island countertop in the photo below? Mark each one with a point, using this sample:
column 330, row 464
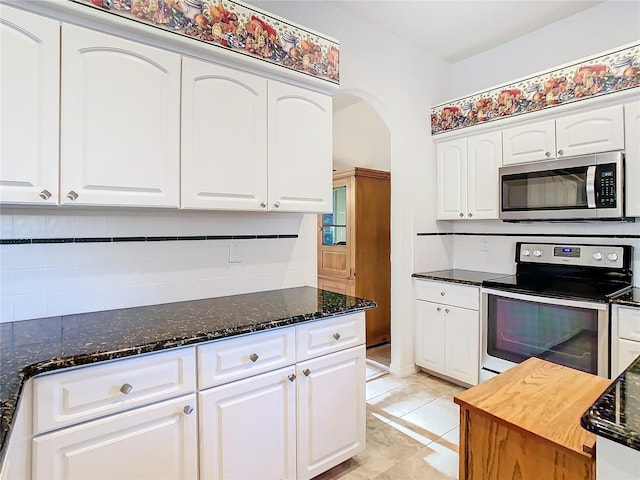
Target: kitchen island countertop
column 465, row 277
column 30, row 347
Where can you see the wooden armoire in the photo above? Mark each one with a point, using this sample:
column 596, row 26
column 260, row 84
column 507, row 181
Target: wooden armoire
column 354, row 244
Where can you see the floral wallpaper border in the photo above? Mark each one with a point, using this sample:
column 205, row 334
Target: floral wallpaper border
column 612, row 72
column 234, row 26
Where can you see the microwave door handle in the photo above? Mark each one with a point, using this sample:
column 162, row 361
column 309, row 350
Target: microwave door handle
column 591, row 186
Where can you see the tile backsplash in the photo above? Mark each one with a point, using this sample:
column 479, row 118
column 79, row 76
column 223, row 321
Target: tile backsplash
column 41, row 280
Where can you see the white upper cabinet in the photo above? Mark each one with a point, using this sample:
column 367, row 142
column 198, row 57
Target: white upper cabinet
column 224, row 138
column 29, row 93
column 632, row 159
column 467, row 177
column 529, row 143
column 120, row 121
column 577, row 134
column 300, row 149
column 590, row 132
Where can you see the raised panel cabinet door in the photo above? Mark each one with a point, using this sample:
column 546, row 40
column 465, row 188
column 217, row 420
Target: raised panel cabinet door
column 149, row 443
column 484, row 157
column 224, row 138
column 430, row 340
column 247, row 428
column 29, row 94
column 120, row 122
column 529, row 143
column 331, row 410
column 451, row 183
column 338, row 285
column 462, row 344
column 300, row 149
column 632, row 159
column 590, row 132
column 628, row 351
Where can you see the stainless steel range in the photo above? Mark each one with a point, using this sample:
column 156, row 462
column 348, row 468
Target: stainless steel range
column 556, row 306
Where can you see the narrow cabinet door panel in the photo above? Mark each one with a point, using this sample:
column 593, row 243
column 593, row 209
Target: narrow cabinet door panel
column 331, row 410
column 247, row 428
column 451, row 174
column 120, row 121
column 484, row 158
column 632, row 158
column 224, row 138
column 430, row 339
column 462, row 346
column 29, row 128
column 148, row 443
column 300, row 149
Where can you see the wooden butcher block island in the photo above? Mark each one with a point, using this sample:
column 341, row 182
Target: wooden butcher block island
column 525, row 424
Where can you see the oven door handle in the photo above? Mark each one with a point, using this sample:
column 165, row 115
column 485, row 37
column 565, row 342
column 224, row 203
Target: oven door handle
column 591, row 186
column 541, row 298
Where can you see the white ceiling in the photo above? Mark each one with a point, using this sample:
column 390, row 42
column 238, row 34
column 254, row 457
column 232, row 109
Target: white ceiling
column 456, row 29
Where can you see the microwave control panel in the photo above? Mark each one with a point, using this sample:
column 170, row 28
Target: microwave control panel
column 610, row 256
column 605, row 186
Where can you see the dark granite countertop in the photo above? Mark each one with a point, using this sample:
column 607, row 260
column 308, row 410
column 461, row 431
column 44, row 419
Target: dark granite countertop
column 631, row 298
column 29, row 347
column 467, row 277
column 616, row 413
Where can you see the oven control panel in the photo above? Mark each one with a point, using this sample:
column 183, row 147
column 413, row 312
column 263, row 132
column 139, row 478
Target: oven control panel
column 608, row 256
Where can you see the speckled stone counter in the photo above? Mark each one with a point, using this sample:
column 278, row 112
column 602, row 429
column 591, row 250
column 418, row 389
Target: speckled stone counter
column 631, row 298
column 30, row 347
column 466, row 277
column 616, row 413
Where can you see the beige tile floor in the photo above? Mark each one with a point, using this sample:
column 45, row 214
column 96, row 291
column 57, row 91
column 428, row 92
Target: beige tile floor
column 412, row 431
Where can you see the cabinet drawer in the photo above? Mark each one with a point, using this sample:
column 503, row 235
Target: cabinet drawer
column 228, row 360
column 81, row 394
column 329, row 335
column 629, row 323
column 448, row 294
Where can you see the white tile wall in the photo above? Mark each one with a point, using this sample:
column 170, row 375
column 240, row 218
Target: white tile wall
column 56, row 279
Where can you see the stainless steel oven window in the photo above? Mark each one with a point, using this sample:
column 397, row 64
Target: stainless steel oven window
column 518, row 326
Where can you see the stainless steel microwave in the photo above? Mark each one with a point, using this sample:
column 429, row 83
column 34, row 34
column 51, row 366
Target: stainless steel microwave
column 588, row 187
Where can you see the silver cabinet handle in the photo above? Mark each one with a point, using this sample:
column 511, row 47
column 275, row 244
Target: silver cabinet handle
column 45, row 194
column 461, row 214
column 306, row 372
column 547, row 154
column 277, row 204
column 470, row 214
column 263, row 205
column 438, row 309
column 560, row 152
column 446, row 310
column 442, row 294
column 187, row 410
column 72, row 195
column 292, row 377
column 126, row 389
column 253, row 357
column 336, row 336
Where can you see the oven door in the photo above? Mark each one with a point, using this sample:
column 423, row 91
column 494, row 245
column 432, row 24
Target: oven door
column 517, row 326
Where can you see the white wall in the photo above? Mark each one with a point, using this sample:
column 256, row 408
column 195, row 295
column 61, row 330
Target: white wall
column 607, row 25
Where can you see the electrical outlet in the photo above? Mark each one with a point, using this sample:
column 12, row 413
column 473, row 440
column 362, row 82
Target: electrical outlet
column 234, row 252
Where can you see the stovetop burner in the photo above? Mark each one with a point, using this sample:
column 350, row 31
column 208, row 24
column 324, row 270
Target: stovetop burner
column 581, row 272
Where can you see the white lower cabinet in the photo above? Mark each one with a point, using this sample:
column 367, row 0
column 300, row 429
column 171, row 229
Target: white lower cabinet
column 158, row 441
column 448, row 331
column 625, row 337
column 248, row 428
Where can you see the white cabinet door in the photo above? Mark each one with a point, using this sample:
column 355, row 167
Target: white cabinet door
column 331, row 410
column 451, row 174
column 484, row 157
column 430, row 336
column 120, row 121
column 154, row 442
column 529, row 143
column 632, row 159
column 300, row 149
column 29, row 94
column 462, row 344
column 247, row 428
column 628, row 351
column 224, row 138
column 590, row 132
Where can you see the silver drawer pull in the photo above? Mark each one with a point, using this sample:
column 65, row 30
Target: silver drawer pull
column 547, row 154
column 126, row 389
column 336, row 336
column 560, row 152
column 263, row 205
column 446, row 310
column 292, row 377
column 306, row 372
column 187, row 410
column 442, row 294
column 253, row 357
column 438, row 309
column 72, row 195
column 461, row 214
column 277, row 204
column 45, row 194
